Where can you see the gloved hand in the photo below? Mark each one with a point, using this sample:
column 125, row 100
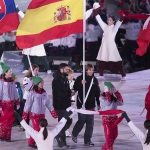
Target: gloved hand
column 54, row 114
column 124, row 114
column 96, row 5
column 70, row 112
column 106, row 89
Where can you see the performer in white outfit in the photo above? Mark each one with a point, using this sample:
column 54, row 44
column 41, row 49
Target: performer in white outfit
column 143, row 137
column 44, row 138
column 108, row 55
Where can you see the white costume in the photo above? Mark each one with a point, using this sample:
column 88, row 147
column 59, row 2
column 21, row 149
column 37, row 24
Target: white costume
column 140, row 135
column 42, row 144
column 108, row 50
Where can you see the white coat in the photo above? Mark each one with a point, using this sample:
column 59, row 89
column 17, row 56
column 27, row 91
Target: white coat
column 140, row 135
column 35, row 51
column 108, row 50
column 42, row 144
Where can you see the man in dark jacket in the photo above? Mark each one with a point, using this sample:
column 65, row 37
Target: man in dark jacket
column 89, row 104
column 61, row 100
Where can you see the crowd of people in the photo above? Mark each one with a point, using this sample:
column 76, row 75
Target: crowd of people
column 35, row 100
column 72, row 46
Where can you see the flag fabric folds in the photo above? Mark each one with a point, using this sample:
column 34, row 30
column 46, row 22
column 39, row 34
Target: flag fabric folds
column 9, row 19
column 49, row 19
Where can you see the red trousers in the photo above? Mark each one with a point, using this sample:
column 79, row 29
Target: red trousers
column 5, row 127
column 110, row 132
column 35, row 118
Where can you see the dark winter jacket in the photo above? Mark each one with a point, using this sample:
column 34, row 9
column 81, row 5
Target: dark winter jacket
column 93, row 95
column 61, row 92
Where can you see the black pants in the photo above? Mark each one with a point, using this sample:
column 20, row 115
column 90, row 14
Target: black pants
column 89, row 121
column 62, row 134
column 128, row 48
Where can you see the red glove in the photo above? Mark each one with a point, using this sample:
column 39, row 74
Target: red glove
column 54, row 114
column 24, row 116
column 120, row 12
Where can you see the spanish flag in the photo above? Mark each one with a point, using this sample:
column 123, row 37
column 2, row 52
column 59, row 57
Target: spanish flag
column 49, row 19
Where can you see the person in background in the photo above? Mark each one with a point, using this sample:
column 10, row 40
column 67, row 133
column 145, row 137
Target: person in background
column 143, row 137
column 28, row 84
column 10, row 41
column 132, row 28
column 20, row 95
column 92, row 39
column 109, row 100
column 62, row 100
column 36, row 104
column 108, row 55
column 8, row 99
column 71, row 84
column 2, row 41
column 92, row 98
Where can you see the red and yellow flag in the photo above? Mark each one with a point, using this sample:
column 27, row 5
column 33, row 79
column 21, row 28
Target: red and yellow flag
column 49, row 19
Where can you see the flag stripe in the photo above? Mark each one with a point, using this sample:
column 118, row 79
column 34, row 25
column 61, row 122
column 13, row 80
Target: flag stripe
column 40, row 3
column 33, row 25
column 52, row 33
column 10, row 22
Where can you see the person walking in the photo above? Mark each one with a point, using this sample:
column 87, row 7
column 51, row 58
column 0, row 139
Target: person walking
column 61, row 100
column 89, row 104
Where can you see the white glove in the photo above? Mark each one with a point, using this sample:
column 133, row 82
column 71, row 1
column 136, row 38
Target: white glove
column 70, row 109
column 106, row 89
column 96, row 5
column 146, row 23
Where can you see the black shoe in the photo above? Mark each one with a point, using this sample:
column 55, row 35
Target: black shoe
column 89, row 144
column 8, row 140
column 32, row 146
column 65, row 146
column 59, row 141
column 74, row 139
column 1, row 139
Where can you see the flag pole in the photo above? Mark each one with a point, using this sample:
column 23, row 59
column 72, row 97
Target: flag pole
column 84, row 28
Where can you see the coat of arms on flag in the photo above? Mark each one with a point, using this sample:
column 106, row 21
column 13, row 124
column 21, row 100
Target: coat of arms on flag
column 63, row 13
column 2, row 9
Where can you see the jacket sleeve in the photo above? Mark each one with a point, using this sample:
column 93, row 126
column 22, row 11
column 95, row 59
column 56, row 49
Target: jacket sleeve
column 139, row 134
column 59, row 126
column 147, row 101
column 117, row 26
column 97, row 93
column 101, row 22
column 30, row 130
column 58, row 90
column 104, row 101
column 28, row 103
column 119, row 98
column 78, row 84
column 48, row 104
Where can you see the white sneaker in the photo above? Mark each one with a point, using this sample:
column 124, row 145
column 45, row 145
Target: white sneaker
column 123, row 79
column 25, row 71
column 67, row 133
column 49, row 71
column 27, row 135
